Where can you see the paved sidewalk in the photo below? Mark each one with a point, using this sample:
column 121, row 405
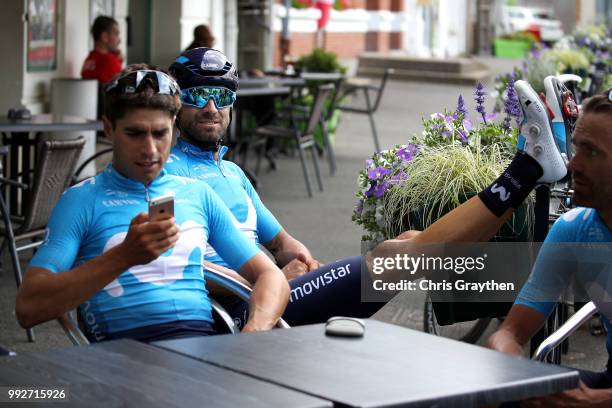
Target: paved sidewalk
column 323, row 222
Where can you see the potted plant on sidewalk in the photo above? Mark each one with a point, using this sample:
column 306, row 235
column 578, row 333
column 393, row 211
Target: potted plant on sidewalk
column 514, row 45
column 411, row 186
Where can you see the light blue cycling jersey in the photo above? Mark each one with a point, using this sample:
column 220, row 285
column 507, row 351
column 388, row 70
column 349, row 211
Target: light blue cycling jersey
column 94, row 216
column 577, row 249
column 231, row 184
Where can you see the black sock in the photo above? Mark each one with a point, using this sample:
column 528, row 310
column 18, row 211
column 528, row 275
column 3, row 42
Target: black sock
column 513, row 186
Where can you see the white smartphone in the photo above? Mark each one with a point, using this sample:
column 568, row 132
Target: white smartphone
column 161, row 208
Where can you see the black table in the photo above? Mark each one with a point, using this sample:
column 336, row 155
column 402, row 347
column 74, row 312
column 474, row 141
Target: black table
column 49, row 123
column 389, row 366
column 22, row 136
column 321, row 76
column 244, row 83
column 128, row 373
column 264, row 91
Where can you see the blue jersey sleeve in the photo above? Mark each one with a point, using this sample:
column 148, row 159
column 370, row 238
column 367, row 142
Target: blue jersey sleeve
column 267, row 224
column 65, row 231
column 223, row 235
column 553, row 269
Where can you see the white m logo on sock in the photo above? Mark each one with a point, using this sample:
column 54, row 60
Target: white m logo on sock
column 503, row 194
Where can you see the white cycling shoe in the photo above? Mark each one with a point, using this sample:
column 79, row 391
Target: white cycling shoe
column 536, row 137
column 565, row 110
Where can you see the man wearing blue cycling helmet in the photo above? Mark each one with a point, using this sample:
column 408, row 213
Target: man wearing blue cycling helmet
column 209, row 82
column 208, row 90
column 132, row 276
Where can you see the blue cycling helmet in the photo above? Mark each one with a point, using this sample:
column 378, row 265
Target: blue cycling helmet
column 204, row 67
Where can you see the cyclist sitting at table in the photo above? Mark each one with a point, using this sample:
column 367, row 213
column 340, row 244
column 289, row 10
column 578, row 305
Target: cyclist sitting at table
column 133, row 276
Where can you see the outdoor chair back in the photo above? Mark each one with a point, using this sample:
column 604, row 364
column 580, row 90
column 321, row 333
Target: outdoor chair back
column 53, row 174
column 326, row 118
column 304, row 139
column 562, row 333
column 56, row 163
column 370, row 106
column 317, row 111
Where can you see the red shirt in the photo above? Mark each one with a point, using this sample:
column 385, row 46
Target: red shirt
column 101, row 66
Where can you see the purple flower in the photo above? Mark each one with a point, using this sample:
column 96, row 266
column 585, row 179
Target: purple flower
column 449, row 123
column 381, row 188
column 604, row 55
column 369, row 163
column 462, row 136
column 525, row 68
column 467, row 124
column 370, row 191
column 378, row 173
column 511, row 104
column 490, row 116
column 358, row 208
column 480, row 98
column 399, row 177
column 461, row 106
column 406, row 153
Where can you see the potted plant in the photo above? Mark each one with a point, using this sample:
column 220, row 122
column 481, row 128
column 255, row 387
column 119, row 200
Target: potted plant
column 411, row 186
column 514, row 45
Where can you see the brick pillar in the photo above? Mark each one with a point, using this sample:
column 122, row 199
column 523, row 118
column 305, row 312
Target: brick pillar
column 397, row 5
column 378, row 4
column 378, row 41
column 396, row 41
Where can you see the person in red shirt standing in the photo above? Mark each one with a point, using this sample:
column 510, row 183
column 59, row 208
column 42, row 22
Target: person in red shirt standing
column 104, row 61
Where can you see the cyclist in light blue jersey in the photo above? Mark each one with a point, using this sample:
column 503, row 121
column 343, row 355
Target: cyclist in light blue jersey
column 208, row 90
column 199, row 154
column 135, row 277
column 577, row 249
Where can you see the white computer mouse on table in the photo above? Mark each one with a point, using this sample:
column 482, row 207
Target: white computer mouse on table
column 345, row 327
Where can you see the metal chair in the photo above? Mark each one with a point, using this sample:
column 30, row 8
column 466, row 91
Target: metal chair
column 563, row 332
column 304, row 139
column 336, row 79
column 76, row 178
column 222, row 318
column 370, row 107
column 323, row 123
column 53, row 173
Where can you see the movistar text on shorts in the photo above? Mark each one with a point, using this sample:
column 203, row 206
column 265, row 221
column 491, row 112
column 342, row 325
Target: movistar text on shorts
column 319, row 282
column 412, row 264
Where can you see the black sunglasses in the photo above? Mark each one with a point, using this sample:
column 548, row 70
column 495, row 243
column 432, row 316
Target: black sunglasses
column 133, row 82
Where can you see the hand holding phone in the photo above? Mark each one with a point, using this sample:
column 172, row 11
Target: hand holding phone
column 161, row 208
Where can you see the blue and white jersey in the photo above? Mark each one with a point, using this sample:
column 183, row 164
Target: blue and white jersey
column 94, row 216
column 577, row 249
column 231, row 184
